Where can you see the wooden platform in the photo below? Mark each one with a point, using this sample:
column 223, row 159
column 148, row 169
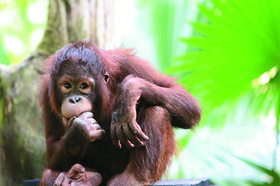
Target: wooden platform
column 179, row 182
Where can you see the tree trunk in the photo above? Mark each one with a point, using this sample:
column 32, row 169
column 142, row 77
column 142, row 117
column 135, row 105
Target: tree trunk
column 22, row 144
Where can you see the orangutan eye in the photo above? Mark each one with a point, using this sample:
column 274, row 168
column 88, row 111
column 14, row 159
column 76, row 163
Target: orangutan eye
column 67, row 85
column 84, row 86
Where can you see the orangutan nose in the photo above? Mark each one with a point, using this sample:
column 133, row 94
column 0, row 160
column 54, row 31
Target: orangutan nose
column 75, row 99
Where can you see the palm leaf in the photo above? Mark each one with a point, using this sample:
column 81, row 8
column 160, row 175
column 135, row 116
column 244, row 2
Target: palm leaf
column 238, row 43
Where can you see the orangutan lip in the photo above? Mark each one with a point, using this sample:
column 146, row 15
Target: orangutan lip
column 66, row 120
column 81, row 113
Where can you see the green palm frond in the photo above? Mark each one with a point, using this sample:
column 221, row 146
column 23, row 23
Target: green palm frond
column 237, row 43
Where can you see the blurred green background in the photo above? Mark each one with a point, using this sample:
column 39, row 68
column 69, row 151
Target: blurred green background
column 224, row 52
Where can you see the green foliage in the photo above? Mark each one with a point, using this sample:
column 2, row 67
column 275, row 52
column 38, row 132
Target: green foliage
column 237, row 44
column 22, row 24
column 274, row 175
column 164, row 21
